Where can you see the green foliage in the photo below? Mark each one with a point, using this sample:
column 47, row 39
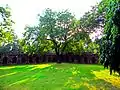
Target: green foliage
column 81, row 46
column 91, row 20
column 32, row 42
column 109, row 49
column 58, row 26
column 76, row 47
column 93, row 48
column 6, row 30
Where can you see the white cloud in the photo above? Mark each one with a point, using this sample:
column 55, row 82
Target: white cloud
column 25, row 11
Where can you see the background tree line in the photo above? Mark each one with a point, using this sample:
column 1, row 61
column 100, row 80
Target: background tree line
column 57, row 32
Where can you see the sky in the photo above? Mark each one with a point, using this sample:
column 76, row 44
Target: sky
column 24, row 12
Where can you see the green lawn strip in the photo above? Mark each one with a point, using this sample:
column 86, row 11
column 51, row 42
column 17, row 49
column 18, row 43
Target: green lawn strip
column 56, row 77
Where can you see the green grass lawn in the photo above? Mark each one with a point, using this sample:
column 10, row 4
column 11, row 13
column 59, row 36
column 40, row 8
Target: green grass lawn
column 57, row 77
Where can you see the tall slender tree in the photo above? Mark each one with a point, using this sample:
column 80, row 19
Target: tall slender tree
column 110, row 42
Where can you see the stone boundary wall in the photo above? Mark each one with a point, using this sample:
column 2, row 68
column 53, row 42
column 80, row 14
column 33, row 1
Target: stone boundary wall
column 9, row 59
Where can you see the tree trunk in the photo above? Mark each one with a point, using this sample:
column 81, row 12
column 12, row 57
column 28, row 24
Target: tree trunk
column 59, row 59
column 58, row 51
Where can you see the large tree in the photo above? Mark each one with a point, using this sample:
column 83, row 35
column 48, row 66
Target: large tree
column 59, row 28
